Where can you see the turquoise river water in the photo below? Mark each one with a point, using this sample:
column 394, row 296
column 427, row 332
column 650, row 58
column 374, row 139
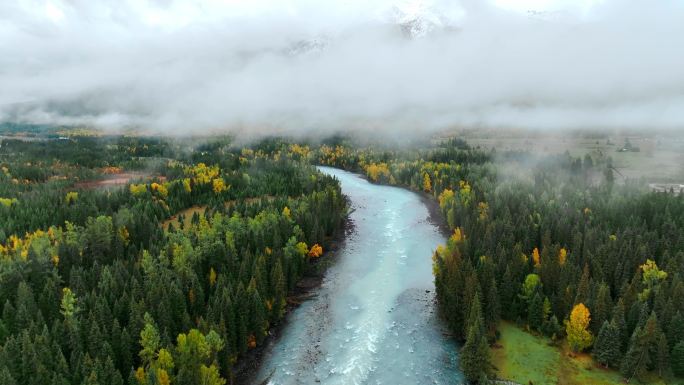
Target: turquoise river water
column 373, row 320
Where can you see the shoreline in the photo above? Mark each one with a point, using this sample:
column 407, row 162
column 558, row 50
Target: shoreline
column 244, row 372
column 435, row 216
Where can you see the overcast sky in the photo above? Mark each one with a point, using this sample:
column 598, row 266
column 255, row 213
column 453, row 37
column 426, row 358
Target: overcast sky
column 307, row 66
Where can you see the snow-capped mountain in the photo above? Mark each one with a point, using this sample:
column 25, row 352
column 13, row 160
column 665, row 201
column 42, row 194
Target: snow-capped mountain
column 418, row 19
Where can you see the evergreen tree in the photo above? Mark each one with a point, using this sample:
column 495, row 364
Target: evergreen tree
column 492, row 306
column 257, row 312
column 6, row 377
column 675, row 331
column 279, row 291
column 663, row 356
column 535, row 313
column 643, row 353
column 583, row 286
column 619, row 320
column 601, row 308
column 607, row 346
column 551, row 327
column 677, row 359
column 475, row 353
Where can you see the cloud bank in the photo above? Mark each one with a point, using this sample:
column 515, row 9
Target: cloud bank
column 319, row 67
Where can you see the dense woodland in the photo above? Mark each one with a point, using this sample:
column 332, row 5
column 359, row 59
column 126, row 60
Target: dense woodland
column 551, row 243
column 98, row 286
column 94, row 290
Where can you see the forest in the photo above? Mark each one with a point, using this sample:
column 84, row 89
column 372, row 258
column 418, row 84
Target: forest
column 551, row 243
column 173, row 275
column 341, row 192
column 95, row 290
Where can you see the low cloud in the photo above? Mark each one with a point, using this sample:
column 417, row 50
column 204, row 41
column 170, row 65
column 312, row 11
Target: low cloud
column 308, row 67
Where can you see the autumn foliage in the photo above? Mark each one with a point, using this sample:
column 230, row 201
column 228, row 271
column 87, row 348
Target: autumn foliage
column 536, row 259
column 378, row 172
column 579, row 337
column 316, row 251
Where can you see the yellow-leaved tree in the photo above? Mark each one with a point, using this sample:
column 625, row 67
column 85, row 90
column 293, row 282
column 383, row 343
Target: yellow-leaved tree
column 186, row 185
column 71, row 197
column 7, row 202
column 138, row 189
column 218, row 185
column 445, row 197
column 535, row 257
column 160, row 189
column 427, row 183
column 316, row 251
column 483, row 210
column 562, row 256
column 212, row 277
column 457, row 236
column 579, row 337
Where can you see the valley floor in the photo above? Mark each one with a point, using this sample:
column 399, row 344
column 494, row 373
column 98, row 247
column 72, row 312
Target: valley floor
column 528, row 359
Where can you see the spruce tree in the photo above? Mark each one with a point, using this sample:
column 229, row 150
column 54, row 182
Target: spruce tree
column 663, row 356
column 279, row 291
column 677, row 359
column 619, row 321
column 601, row 309
column 475, row 352
column 675, row 331
column 257, row 312
column 492, row 305
column 636, row 359
column 551, row 327
column 607, row 346
column 583, row 286
column 6, row 377
column 535, row 312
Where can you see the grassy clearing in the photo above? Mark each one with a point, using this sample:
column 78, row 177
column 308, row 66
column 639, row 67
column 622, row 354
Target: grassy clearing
column 188, row 213
column 523, row 357
column 526, row 358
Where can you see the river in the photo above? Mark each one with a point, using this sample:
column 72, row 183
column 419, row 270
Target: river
column 374, row 320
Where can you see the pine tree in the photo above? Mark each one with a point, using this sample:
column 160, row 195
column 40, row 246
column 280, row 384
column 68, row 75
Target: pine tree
column 492, row 306
column 607, row 346
column 535, row 312
column 619, row 320
column 279, row 291
column 651, row 334
column 601, row 308
column 677, row 359
column 583, row 286
column 663, row 356
column 8, row 314
column 475, row 352
column 551, row 327
column 126, row 357
column 6, row 377
column 675, row 331
column 637, row 359
column 257, row 312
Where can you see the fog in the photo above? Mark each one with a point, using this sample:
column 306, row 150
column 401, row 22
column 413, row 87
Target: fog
column 312, row 67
